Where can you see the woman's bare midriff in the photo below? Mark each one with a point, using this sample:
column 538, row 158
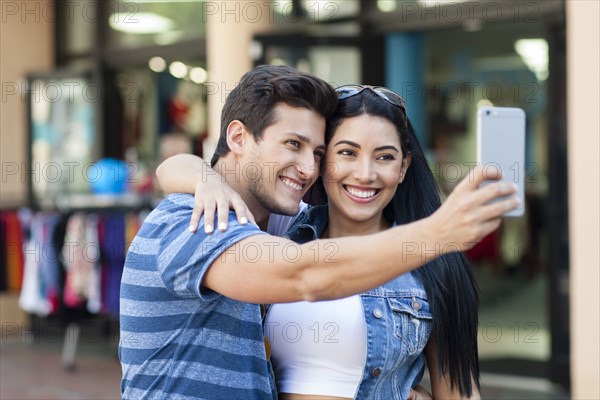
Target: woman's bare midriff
column 293, row 396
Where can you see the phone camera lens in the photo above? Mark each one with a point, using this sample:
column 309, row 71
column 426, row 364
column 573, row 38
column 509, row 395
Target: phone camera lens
column 487, row 112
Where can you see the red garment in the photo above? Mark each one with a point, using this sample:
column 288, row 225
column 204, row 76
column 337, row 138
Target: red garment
column 488, row 249
column 178, row 113
column 14, row 252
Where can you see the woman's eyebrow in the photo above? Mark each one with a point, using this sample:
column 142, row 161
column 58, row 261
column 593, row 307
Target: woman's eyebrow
column 348, row 142
column 353, row 144
column 388, row 147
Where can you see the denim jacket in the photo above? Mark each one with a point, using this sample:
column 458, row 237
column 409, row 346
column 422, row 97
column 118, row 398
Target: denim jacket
column 398, row 322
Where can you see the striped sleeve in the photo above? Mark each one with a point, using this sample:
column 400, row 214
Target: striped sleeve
column 184, row 257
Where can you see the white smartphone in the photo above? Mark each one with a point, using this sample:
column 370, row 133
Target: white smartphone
column 501, row 143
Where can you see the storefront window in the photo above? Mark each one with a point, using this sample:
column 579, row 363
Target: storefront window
column 154, row 23
column 64, row 142
column 324, row 61
column 502, row 65
column 161, row 108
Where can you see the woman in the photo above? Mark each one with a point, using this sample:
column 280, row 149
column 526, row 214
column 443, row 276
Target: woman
column 375, row 345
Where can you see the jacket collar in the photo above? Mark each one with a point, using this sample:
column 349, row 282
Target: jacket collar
column 309, row 225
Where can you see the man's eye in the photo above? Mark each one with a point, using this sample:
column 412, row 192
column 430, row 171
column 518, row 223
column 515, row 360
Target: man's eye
column 294, row 143
column 319, row 155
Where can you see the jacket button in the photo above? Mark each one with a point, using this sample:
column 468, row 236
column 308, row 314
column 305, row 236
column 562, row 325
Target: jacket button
column 416, row 305
column 377, row 313
column 376, row 372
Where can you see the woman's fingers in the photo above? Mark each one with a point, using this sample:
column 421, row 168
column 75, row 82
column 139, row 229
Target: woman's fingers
column 473, row 210
column 219, row 205
column 222, row 213
column 196, row 215
column 241, row 210
column 209, row 215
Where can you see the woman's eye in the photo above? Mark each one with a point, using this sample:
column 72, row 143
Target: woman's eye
column 346, row 152
column 386, row 157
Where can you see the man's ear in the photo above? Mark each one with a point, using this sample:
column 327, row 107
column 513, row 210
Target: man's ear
column 237, row 135
column 405, row 164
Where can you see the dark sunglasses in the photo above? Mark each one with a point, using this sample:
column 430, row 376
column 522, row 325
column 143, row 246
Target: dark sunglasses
column 394, row 99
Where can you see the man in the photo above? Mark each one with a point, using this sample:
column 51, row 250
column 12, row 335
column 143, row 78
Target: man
column 190, row 314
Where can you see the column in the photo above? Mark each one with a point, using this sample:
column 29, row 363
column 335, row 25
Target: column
column 404, row 65
column 583, row 127
column 230, row 27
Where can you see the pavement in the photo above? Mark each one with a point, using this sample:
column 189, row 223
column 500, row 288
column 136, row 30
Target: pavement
column 31, row 368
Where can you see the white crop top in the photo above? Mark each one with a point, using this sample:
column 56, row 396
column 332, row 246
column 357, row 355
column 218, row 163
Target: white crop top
column 318, row 348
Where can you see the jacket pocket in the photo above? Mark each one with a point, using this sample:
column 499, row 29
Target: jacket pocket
column 412, row 321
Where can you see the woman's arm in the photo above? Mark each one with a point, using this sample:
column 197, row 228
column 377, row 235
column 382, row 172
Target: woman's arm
column 440, row 384
column 187, row 173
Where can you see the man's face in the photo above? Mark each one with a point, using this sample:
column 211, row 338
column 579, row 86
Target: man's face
column 282, row 165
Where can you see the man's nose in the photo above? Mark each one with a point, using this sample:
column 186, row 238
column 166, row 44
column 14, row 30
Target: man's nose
column 306, row 167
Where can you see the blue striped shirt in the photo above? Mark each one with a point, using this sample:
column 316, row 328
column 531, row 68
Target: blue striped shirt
column 179, row 340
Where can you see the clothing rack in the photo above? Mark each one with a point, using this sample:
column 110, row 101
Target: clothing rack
column 125, row 216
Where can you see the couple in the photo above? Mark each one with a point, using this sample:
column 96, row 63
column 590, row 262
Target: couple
column 191, row 321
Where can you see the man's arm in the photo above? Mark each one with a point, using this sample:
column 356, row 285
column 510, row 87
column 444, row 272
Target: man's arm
column 440, row 384
column 187, row 173
column 267, row 269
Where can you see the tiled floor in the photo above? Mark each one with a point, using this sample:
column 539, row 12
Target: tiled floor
column 33, row 371
column 31, row 368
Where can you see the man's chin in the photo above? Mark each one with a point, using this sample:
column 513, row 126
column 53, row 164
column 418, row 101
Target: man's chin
column 281, row 209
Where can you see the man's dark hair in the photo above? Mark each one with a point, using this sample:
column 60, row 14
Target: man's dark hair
column 254, row 99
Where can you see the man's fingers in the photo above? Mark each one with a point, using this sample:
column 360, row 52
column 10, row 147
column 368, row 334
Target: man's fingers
column 412, row 395
column 419, row 393
column 423, row 392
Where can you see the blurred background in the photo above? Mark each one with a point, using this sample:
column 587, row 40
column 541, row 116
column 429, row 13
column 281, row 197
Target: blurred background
column 95, row 94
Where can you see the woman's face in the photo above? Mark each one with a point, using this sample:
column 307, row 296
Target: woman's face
column 364, row 166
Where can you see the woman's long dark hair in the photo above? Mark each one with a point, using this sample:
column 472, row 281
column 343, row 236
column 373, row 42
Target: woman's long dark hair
column 448, row 280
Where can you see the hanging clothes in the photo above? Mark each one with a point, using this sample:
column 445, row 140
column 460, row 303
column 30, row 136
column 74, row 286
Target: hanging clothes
column 71, row 261
column 111, row 237
column 92, row 253
column 3, row 258
column 32, row 298
column 13, row 251
column 79, row 266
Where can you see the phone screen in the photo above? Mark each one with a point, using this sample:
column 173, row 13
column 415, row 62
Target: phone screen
column 501, row 143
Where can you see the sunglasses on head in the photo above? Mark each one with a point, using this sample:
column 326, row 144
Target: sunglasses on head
column 394, row 99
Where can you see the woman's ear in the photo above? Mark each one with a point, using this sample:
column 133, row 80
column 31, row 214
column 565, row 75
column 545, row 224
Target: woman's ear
column 405, row 164
column 236, row 136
